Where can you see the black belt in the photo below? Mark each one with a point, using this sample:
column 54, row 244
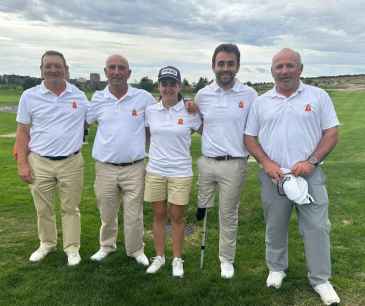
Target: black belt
column 61, row 157
column 125, row 164
column 225, row 157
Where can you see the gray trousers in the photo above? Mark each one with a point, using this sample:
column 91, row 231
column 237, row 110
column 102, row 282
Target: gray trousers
column 314, row 227
column 227, row 177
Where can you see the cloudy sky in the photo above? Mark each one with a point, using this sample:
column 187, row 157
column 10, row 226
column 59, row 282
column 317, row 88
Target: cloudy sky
column 330, row 34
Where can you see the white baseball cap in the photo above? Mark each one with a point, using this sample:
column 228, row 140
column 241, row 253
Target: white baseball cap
column 296, row 189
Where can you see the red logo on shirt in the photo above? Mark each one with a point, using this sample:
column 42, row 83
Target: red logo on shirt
column 242, row 104
column 74, row 104
column 180, row 121
column 308, row 108
column 134, row 113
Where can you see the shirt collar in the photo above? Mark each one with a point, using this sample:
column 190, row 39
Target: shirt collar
column 275, row 94
column 177, row 107
column 237, row 86
column 45, row 90
column 108, row 94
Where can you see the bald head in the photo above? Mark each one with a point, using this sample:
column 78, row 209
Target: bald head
column 116, row 58
column 117, row 72
column 288, row 53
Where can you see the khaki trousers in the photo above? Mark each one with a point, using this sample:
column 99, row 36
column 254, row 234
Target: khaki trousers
column 113, row 184
column 227, row 177
column 65, row 176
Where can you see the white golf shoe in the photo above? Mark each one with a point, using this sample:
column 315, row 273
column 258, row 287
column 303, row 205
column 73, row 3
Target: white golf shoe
column 100, row 255
column 73, row 258
column 157, row 263
column 142, row 259
column 40, row 253
column 177, row 267
column 275, row 279
column 327, row 294
column 227, row 270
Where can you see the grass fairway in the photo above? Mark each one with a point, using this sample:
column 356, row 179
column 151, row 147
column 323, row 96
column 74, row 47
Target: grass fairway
column 9, row 96
column 119, row 281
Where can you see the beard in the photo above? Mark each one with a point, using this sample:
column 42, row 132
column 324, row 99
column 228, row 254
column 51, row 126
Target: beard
column 225, row 78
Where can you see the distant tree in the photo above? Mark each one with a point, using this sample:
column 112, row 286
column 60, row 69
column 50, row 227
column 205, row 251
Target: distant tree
column 185, row 83
column 30, row 82
column 146, row 84
column 201, row 83
column 155, row 86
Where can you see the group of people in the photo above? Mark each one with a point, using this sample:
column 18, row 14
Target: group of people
column 289, row 129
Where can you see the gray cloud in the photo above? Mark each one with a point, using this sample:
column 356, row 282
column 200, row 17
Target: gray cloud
column 329, row 34
column 318, row 25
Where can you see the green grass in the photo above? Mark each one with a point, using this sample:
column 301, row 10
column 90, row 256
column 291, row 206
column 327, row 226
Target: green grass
column 119, row 281
column 9, row 96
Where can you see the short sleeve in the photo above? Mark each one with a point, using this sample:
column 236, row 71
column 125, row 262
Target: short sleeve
column 151, row 100
column 24, row 115
column 197, row 98
column 252, row 124
column 147, row 117
column 196, row 121
column 91, row 116
column 328, row 114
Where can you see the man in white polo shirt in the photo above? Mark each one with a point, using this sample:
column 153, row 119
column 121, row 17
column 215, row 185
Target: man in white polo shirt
column 49, row 137
column 119, row 150
column 296, row 126
column 224, row 106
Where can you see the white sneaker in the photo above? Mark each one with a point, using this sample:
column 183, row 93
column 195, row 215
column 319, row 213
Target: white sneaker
column 73, row 258
column 327, row 294
column 142, row 259
column 177, row 267
column 275, row 279
column 157, row 263
column 40, row 253
column 100, row 255
column 227, row 270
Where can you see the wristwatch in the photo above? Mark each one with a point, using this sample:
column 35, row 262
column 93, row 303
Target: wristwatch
column 313, row 160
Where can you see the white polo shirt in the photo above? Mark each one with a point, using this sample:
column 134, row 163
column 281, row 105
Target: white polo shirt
column 289, row 129
column 120, row 136
column 170, row 130
column 56, row 122
column 224, row 118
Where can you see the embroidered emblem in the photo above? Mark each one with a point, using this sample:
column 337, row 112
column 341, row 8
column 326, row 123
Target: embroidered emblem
column 74, row 104
column 134, row 113
column 180, row 121
column 242, row 104
column 308, row 108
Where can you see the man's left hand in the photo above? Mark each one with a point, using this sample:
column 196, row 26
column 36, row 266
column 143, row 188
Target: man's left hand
column 191, row 107
column 302, row 168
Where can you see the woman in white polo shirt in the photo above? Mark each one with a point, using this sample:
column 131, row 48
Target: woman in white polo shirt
column 169, row 170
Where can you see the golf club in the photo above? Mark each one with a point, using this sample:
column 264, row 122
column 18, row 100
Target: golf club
column 204, row 239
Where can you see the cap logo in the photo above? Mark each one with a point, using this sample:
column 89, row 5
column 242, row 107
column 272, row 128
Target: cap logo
column 169, row 71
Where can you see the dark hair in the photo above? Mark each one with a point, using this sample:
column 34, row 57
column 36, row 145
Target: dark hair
column 229, row 48
column 53, row 52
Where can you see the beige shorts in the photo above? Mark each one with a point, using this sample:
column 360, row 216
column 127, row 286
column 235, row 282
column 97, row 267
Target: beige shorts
column 175, row 189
